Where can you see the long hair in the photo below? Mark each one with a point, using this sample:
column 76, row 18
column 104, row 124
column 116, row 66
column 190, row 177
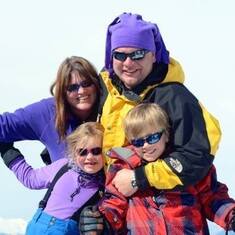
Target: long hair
column 58, row 88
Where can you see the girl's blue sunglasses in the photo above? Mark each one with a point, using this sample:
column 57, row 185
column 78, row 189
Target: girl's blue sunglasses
column 150, row 139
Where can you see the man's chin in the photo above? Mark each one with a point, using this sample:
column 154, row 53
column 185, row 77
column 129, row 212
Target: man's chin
column 130, row 85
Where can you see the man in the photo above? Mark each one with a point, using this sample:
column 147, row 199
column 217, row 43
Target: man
column 138, row 68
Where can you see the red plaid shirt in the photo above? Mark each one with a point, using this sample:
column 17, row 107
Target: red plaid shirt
column 160, row 212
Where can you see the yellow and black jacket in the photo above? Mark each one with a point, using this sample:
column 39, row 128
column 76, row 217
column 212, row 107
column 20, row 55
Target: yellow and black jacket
column 195, row 133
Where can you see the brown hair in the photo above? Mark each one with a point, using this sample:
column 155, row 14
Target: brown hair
column 145, row 115
column 58, row 88
column 79, row 137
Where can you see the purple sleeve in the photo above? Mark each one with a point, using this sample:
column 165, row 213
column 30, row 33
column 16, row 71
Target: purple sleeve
column 26, row 123
column 35, row 178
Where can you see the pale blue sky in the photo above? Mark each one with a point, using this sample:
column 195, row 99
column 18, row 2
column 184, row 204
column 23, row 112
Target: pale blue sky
column 37, row 35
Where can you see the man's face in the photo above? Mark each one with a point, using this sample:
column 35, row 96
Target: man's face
column 133, row 72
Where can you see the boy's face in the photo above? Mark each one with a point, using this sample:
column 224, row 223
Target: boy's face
column 151, row 152
column 90, row 158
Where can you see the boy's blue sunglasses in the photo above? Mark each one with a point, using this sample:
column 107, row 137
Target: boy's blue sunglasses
column 150, row 139
column 135, row 55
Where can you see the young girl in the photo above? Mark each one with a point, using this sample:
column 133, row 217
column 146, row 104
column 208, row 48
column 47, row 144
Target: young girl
column 159, row 212
column 78, row 183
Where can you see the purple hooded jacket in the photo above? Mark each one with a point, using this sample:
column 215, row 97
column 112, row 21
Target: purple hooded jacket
column 36, row 122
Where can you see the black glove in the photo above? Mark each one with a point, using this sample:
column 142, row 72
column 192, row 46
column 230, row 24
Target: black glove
column 4, row 147
column 91, row 220
column 45, row 156
column 9, row 153
column 232, row 223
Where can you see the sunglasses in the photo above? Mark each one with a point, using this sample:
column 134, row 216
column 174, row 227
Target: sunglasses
column 94, row 151
column 150, row 139
column 75, row 87
column 135, row 55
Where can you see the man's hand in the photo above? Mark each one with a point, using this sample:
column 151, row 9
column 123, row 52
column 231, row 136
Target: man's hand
column 91, row 221
column 122, row 182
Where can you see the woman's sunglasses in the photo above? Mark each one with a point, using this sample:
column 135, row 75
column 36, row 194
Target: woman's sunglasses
column 135, row 55
column 75, row 87
column 94, row 151
column 150, row 139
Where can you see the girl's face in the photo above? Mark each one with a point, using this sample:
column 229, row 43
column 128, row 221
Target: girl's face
column 90, row 158
column 152, row 146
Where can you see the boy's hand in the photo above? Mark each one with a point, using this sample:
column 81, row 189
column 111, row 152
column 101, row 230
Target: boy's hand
column 91, row 221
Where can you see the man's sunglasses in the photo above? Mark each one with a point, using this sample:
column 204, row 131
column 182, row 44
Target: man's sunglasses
column 135, row 55
column 75, row 87
column 93, row 151
column 150, row 139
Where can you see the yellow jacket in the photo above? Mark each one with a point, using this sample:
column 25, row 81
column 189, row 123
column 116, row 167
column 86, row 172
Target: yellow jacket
column 195, row 132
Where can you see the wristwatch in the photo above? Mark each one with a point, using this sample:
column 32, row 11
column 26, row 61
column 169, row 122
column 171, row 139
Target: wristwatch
column 133, row 182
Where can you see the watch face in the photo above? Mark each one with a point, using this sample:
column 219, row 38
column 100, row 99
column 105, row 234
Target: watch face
column 133, row 183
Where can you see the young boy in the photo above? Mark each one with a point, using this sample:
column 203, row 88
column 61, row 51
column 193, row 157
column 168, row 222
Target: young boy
column 78, row 184
column 151, row 212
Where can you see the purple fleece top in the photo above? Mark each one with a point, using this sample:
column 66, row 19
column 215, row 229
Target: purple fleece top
column 35, row 122
column 70, row 192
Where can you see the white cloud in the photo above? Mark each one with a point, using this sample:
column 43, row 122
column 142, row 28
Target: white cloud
column 12, row 226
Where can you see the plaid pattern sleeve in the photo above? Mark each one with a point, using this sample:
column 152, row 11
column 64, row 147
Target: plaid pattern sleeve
column 215, row 200
column 113, row 204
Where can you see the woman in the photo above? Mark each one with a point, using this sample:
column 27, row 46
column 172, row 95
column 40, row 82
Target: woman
column 50, row 120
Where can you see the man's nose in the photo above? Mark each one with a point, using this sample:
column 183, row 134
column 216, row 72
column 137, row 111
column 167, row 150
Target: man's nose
column 128, row 61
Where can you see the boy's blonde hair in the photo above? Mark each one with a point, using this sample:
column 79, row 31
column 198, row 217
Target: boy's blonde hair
column 145, row 116
column 80, row 136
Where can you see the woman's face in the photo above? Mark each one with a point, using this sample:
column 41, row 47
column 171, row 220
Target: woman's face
column 81, row 95
column 90, row 158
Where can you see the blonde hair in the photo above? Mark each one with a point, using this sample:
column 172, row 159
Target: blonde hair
column 143, row 116
column 58, row 88
column 79, row 137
